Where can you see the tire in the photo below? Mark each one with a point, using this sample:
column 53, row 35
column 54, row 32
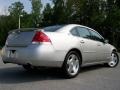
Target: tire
column 114, row 60
column 71, row 65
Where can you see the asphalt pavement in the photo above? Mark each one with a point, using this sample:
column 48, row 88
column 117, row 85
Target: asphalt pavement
column 98, row 77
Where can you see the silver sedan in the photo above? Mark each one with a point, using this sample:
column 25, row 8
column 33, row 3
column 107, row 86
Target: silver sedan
column 69, row 47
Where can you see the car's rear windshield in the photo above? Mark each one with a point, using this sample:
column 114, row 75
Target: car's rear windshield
column 53, row 28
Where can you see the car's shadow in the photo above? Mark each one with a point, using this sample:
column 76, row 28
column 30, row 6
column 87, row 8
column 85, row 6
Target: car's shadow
column 19, row 75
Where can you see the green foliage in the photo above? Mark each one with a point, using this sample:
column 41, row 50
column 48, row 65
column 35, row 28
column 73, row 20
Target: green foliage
column 47, row 15
column 58, row 12
column 16, row 9
column 6, row 24
column 36, row 12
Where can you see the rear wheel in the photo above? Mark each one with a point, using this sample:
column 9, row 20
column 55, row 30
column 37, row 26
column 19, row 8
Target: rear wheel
column 114, row 60
column 72, row 63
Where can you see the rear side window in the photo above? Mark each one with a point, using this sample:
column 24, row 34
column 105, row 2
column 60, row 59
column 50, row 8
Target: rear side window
column 52, row 28
column 83, row 32
column 74, row 32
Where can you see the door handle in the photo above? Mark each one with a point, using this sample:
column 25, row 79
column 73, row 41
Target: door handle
column 82, row 41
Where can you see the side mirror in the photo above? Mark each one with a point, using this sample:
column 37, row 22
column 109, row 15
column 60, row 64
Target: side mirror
column 106, row 41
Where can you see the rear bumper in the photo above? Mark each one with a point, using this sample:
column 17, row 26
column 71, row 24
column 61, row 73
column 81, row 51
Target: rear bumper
column 36, row 55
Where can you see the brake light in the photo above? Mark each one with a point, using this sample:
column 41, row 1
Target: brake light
column 40, row 37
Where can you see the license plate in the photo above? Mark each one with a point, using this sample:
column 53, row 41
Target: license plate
column 12, row 53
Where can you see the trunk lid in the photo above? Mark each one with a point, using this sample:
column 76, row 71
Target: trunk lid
column 20, row 37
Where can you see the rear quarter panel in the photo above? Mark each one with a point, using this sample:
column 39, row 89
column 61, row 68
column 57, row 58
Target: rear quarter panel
column 64, row 41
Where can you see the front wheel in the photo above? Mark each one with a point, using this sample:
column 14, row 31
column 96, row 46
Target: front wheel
column 72, row 63
column 114, row 60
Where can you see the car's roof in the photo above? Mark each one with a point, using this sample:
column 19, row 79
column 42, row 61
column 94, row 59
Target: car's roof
column 63, row 28
column 68, row 27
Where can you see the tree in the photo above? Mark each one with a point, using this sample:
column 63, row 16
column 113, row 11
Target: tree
column 47, row 15
column 36, row 12
column 118, row 3
column 58, row 12
column 16, row 9
column 112, row 21
column 69, row 11
column 6, row 24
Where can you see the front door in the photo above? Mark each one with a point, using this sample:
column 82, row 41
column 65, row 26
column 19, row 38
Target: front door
column 88, row 45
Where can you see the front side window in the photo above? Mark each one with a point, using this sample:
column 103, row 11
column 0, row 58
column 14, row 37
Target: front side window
column 96, row 36
column 83, row 32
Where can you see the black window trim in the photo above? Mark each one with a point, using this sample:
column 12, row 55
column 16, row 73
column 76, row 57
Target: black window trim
column 97, row 33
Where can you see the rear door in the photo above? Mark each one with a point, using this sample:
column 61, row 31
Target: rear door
column 88, row 46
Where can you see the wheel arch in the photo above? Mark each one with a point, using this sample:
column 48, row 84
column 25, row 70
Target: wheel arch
column 114, row 50
column 74, row 49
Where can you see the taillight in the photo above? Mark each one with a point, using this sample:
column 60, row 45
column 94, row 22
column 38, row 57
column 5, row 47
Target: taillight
column 40, row 37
